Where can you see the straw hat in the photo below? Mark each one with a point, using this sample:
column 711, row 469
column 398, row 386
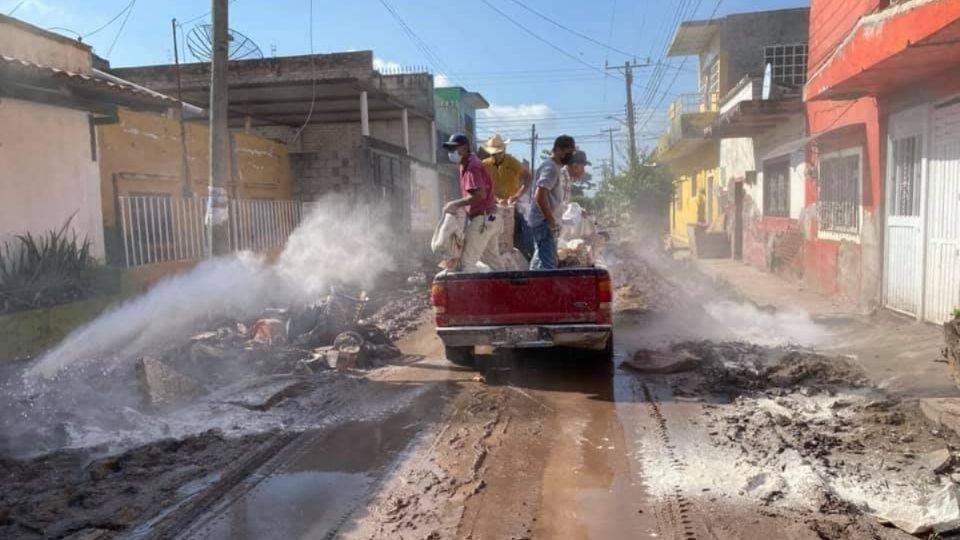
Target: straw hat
column 495, row 144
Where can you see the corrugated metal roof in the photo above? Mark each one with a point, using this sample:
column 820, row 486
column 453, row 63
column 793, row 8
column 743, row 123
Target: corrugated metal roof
column 23, row 68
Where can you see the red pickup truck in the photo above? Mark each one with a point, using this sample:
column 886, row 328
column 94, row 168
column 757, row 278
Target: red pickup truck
column 568, row 307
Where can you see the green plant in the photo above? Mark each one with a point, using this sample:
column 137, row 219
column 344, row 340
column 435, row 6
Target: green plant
column 44, row 270
column 956, row 313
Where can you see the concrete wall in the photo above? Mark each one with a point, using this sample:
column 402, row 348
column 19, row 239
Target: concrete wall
column 48, row 172
column 25, row 42
column 142, row 154
column 694, row 168
column 391, row 131
column 414, row 89
column 830, row 21
column 744, row 36
column 425, row 200
column 330, row 162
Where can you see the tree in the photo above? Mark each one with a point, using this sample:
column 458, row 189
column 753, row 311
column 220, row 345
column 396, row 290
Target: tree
column 643, row 193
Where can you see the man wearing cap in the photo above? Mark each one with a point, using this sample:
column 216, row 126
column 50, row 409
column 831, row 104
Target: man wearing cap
column 573, row 172
column 544, row 215
column 476, row 190
column 511, row 180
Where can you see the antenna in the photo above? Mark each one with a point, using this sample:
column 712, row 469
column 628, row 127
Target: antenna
column 200, row 44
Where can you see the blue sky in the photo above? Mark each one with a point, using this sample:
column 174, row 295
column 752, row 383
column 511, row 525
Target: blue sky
column 525, row 79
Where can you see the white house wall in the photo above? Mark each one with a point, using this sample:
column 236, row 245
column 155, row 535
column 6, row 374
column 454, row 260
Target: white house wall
column 424, row 197
column 47, row 172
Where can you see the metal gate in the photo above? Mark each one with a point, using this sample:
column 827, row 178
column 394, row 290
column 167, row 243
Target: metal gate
column 942, row 282
column 903, row 252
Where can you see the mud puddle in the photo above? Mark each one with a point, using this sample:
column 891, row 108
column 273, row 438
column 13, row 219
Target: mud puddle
column 310, row 489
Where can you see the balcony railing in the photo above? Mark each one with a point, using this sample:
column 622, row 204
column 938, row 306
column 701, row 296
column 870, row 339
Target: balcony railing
column 688, row 115
column 160, row 228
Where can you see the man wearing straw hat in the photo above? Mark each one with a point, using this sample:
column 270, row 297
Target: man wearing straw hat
column 511, row 181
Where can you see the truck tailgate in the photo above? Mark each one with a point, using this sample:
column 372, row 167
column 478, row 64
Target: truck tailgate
column 563, row 296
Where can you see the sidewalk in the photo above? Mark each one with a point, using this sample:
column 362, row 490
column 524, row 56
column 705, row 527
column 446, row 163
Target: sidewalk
column 898, row 353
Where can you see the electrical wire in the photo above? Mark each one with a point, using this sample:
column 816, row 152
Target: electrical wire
column 108, row 23
column 198, row 17
column 313, row 76
column 575, row 32
column 16, row 7
column 122, row 26
column 544, row 40
column 432, row 57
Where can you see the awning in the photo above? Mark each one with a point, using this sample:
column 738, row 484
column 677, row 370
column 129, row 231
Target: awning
column 787, row 148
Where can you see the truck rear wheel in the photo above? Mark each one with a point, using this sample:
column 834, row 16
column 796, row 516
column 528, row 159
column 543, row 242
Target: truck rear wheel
column 461, row 356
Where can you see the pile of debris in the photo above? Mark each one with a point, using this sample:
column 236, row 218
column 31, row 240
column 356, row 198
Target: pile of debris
column 808, row 427
column 301, row 341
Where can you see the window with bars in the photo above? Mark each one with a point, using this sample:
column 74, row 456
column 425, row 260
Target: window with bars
column 905, row 177
column 839, row 192
column 788, row 63
column 776, row 188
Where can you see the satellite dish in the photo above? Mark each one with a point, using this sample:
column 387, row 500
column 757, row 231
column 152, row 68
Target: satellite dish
column 767, row 82
column 239, row 46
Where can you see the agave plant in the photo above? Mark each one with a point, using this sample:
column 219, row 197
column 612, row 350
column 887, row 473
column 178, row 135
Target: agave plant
column 43, row 270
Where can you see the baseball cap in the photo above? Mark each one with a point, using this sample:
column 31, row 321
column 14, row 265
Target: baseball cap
column 457, row 139
column 580, row 157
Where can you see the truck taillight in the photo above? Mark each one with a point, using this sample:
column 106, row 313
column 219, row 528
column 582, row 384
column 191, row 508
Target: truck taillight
column 605, row 299
column 438, row 296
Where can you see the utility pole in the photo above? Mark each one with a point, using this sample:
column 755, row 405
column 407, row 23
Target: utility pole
column 631, row 117
column 613, row 164
column 218, row 216
column 533, row 149
column 184, row 157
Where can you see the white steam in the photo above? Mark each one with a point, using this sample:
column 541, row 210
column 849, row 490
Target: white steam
column 337, row 243
column 790, row 326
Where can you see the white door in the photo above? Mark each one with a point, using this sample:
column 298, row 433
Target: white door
column 903, row 253
column 943, row 214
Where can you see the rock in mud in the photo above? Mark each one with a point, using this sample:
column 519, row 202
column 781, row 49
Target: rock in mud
column 265, row 392
column 941, row 514
column 662, row 363
column 163, row 386
column 943, row 411
column 939, row 461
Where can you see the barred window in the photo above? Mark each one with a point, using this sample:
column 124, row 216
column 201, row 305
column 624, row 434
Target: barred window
column 905, row 177
column 839, row 192
column 788, row 63
column 776, row 188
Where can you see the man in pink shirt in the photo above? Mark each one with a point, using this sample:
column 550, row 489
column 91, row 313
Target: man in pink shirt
column 476, row 191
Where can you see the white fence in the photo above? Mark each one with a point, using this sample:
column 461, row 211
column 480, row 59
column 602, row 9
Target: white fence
column 159, row 228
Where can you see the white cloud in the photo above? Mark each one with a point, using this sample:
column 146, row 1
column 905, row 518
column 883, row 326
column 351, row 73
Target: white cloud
column 386, row 66
column 440, row 80
column 510, row 113
column 38, row 7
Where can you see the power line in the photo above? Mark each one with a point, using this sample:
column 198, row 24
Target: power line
column 198, row 17
column 574, row 32
column 543, row 40
column 313, row 76
column 122, row 26
column 16, row 7
column 108, row 23
column 428, row 52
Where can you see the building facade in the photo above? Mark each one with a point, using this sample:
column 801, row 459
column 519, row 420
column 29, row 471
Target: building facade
column 883, row 187
column 456, row 112
column 729, row 50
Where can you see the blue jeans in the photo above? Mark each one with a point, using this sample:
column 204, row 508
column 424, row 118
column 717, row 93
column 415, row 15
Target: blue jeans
column 522, row 237
column 545, row 250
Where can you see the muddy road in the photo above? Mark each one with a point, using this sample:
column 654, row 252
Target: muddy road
column 696, row 430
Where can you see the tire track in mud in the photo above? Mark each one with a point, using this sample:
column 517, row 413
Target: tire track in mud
column 676, row 510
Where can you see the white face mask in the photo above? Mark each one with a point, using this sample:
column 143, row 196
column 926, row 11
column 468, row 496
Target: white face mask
column 454, row 156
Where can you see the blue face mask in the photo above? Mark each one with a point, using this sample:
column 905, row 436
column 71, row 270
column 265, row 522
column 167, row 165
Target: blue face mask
column 454, row 156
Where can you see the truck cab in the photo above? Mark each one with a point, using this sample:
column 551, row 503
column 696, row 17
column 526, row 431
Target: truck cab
column 569, row 307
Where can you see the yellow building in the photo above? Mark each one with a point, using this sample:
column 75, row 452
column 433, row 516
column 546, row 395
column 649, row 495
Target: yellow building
column 152, row 215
